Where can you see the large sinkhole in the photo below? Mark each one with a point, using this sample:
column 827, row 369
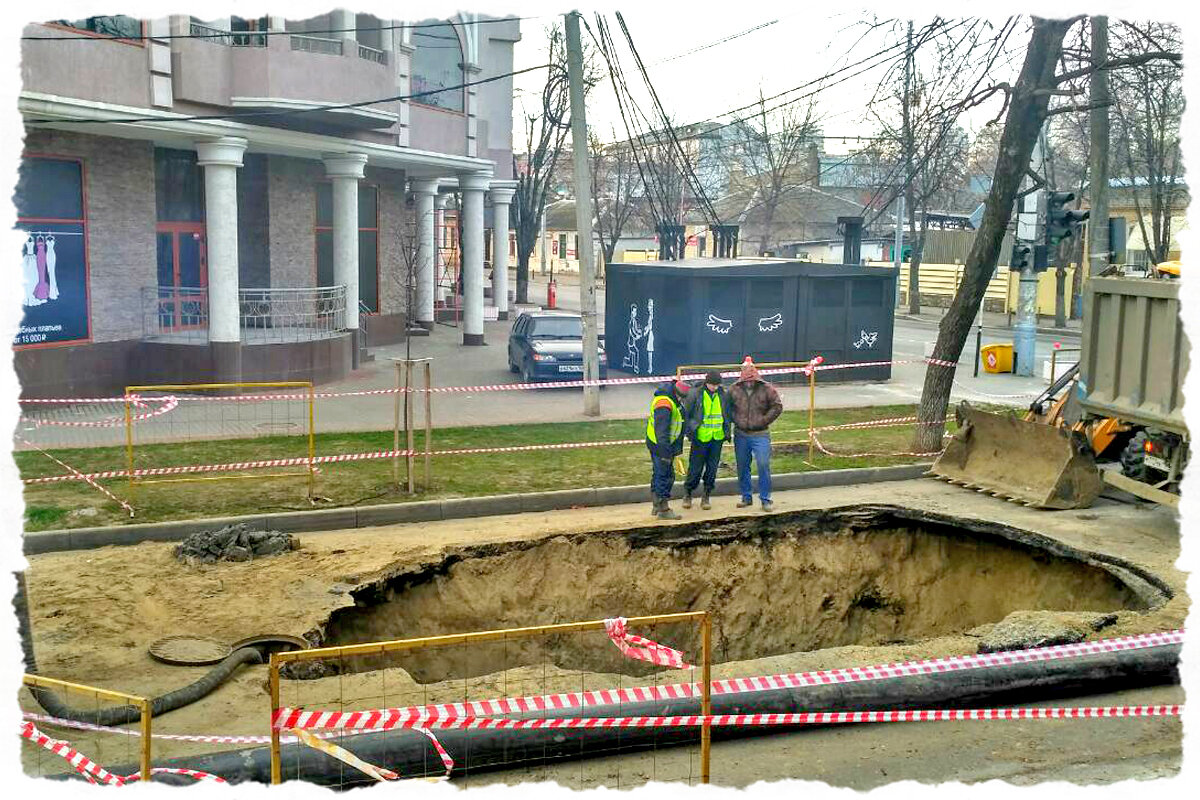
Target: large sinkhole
column 775, row 584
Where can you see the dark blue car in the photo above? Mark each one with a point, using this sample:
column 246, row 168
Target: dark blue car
column 548, row 346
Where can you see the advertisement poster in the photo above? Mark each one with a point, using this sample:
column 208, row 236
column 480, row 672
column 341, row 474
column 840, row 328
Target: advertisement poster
column 53, row 283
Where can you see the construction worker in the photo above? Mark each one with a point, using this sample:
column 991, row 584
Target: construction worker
column 708, row 428
column 664, row 439
column 756, row 404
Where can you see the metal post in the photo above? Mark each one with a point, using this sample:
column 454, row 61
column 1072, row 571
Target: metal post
column 273, row 687
column 428, row 421
column 409, row 458
column 312, row 444
column 812, row 404
column 583, row 218
column 129, row 440
column 706, row 697
column 396, row 427
column 147, row 739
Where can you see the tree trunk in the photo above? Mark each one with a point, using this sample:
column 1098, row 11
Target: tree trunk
column 1060, row 299
column 1023, row 121
column 523, row 278
column 914, row 271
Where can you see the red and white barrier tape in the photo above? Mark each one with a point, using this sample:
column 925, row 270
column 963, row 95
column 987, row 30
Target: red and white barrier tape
column 331, row 459
column 93, row 771
column 817, row 441
column 496, row 387
column 640, row 648
column 77, row 475
column 367, row 720
column 1025, row 395
column 169, row 404
column 797, row 718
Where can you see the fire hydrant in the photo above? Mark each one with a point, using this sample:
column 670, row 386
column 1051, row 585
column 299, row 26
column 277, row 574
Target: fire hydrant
column 551, row 294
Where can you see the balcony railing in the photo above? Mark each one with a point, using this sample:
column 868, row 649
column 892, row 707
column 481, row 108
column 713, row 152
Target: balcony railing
column 371, row 54
column 316, row 44
column 266, row 316
column 207, row 33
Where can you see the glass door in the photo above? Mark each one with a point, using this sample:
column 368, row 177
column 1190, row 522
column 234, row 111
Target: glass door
column 182, row 276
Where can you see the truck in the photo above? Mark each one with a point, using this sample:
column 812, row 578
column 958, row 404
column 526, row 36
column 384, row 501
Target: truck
column 1122, row 402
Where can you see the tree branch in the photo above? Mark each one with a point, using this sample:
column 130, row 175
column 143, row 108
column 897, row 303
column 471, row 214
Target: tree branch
column 1118, row 63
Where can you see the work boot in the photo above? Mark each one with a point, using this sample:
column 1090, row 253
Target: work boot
column 704, row 502
column 745, row 502
column 655, row 507
column 767, row 505
column 687, row 500
column 665, row 512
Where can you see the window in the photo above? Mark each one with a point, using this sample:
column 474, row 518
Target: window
column 829, row 293
column 368, row 242
column 53, row 281
column 178, row 186
column 557, row 328
column 437, row 62
column 766, row 294
column 118, row 26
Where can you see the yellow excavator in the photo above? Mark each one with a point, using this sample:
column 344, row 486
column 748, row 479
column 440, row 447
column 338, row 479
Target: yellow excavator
column 1124, row 390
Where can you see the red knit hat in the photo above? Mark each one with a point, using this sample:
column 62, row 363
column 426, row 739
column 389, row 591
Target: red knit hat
column 681, row 387
column 749, row 371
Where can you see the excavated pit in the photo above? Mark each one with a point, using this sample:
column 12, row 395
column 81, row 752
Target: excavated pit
column 775, row 584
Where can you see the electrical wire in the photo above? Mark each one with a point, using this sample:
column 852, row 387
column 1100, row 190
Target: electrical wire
column 294, row 111
column 704, row 47
column 99, row 37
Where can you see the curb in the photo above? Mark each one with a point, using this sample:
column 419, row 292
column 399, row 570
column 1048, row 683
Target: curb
column 432, row 510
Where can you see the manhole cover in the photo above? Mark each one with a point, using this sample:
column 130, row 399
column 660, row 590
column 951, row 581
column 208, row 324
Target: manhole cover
column 189, row 651
column 277, row 426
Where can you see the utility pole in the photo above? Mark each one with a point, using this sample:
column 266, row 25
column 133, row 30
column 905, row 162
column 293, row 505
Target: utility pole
column 583, row 217
column 1025, row 331
column 542, row 242
column 899, row 246
column 910, row 204
column 1098, row 244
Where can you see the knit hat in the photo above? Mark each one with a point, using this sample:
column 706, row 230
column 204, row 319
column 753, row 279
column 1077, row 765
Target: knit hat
column 713, row 376
column 682, row 388
column 749, row 371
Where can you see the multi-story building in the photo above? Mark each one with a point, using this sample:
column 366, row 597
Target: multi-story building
column 238, row 200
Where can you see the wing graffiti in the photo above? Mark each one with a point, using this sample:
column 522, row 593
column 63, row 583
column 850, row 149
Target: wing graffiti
column 720, row 325
column 766, row 324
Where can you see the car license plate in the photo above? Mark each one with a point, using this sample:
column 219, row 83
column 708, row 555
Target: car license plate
column 1154, row 462
column 570, row 368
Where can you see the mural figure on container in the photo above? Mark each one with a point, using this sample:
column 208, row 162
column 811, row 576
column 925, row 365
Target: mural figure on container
column 719, row 325
column 633, row 357
column 650, row 337
column 866, row 339
column 768, row 324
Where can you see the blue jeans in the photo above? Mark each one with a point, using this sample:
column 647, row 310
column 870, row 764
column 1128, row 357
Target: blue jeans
column 703, row 460
column 758, row 447
column 662, row 477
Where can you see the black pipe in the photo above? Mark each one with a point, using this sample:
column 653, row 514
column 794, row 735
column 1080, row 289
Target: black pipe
column 411, row 755
column 121, row 715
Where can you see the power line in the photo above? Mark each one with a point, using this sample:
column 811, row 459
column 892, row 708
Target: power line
column 292, row 111
column 703, row 47
column 96, row 37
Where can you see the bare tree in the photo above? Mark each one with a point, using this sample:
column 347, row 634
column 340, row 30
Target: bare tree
column 1147, row 108
column 615, row 186
column 545, row 134
column 772, row 147
column 1026, row 108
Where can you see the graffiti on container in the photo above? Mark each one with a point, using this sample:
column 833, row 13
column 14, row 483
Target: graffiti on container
column 719, row 325
column 650, row 337
column 768, row 324
column 637, row 333
column 866, row 340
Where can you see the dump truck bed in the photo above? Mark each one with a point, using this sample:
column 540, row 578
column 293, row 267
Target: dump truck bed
column 1135, row 354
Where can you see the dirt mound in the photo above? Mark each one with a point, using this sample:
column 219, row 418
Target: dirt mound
column 1023, row 629
column 233, row 543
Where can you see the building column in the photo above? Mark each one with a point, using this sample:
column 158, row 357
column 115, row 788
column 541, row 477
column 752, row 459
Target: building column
column 346, row 170
column 221, row 159
column 472, row 187
column 425, row 191
column 440, row 203
column 501, row 194
column 345, row 22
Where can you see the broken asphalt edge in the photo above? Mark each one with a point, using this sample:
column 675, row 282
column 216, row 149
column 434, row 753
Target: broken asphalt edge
column 336, row 519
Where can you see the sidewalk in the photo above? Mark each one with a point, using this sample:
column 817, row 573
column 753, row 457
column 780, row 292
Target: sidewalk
column 997, row 322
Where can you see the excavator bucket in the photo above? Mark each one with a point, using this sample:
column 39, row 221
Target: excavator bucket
column 1037, row 465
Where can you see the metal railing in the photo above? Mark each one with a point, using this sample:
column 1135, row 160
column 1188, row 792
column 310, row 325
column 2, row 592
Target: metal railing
column 268, row 315
column 316, row 44
column 371, row 54
column 207, row 33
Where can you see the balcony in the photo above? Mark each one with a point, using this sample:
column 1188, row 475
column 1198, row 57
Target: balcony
column 292, row 71
column 179, row 315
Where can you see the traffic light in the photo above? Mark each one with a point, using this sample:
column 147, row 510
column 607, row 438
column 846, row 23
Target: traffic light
column 1020, row 257
column 1060, row 221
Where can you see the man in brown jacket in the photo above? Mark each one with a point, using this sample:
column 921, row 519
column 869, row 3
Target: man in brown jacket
column 756, row 405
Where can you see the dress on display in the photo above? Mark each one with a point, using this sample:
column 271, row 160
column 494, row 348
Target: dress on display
column 52, row 267
column 29, row 270
column 42, row 290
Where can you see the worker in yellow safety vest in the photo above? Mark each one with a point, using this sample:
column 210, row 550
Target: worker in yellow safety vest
column 708, row 419
column 664, row 439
